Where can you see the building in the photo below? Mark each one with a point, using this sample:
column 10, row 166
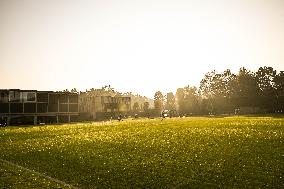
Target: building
column 103, row 103
column 32, row 106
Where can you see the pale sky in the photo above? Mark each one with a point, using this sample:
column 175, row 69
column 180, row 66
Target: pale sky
column 134, row 45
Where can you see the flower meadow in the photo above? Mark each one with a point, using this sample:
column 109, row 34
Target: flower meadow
column 194, row 152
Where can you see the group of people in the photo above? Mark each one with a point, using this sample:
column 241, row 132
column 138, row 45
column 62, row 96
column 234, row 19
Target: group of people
column 119, row 118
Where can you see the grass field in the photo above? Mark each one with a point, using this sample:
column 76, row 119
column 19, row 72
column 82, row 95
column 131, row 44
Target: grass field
column 197, row 152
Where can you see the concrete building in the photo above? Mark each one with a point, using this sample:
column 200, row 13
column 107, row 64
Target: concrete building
column 32, row 106
column 102, row 104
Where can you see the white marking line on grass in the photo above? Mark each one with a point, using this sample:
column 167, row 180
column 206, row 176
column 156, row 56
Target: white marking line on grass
column 39, row 174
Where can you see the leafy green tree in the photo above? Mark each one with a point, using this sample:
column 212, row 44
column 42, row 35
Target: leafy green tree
column 279, row 87
column 206, row 87
column 74, row 90
column 279, row 83
column 170, row 104
column 146, row 107
column 246, row 88
column 218, row 89
column 223, row 92
column 218, row 84
column 267, row 97
column 191, row 100
column 180, row 95
column 187, row 100
column 158, row 102
column 66, row 90
column 229, row 83
column 246, row 83
column 265, row 80
column 136, row 107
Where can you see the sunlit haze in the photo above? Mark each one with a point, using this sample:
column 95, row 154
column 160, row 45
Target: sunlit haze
column 138, row 46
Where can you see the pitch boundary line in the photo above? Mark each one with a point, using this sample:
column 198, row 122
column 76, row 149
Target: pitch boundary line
column 39, row 174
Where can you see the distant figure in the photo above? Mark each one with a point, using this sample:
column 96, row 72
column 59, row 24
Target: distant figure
column 3, row 122
column 119, row 118
column 237, row 111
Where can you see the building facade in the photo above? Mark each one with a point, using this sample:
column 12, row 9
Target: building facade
column 102, row 104
column 32, row 106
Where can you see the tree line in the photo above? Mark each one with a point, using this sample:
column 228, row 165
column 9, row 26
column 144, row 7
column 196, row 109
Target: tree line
column 227, row 93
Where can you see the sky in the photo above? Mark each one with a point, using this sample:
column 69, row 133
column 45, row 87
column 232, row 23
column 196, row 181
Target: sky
column 135, row 45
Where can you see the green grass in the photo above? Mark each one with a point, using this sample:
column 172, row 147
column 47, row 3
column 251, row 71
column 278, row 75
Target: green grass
column 198, row 152
column 15, row 177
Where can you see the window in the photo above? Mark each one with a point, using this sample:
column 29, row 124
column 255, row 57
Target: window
column 14, row 96
column 31, row 97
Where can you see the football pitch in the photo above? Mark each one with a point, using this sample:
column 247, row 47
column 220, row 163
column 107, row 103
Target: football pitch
column 194, row 152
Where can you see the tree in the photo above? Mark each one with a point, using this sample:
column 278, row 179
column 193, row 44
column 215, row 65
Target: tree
column 279, row 87
column 158, row 102
column 267, row 97
column 224, row 101
column 136, row 107
column 218, row 84
column 74, row 90
column 218, row 89
column 146, row 108
column 180, row 100
column 229, row 82
column 66, row 90
column 279, row 83
column 206, row 87
column 246, row 88
column 187, row 100
column 265, row 80
column 170, row 104
column 191, row 100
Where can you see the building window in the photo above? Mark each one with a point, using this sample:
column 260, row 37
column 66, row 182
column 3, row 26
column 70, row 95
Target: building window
column 14, row 96
column 31, row 97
